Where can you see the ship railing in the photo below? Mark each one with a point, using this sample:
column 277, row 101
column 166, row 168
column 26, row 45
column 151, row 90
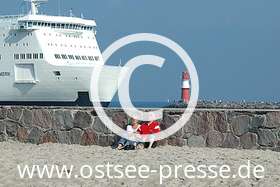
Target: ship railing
column 11, row 16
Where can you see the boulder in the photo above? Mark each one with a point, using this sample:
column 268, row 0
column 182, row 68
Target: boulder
column 48, row 137
column 106, row 140
column 98, row 126
column 3, row 138
column 63, row 120
column 240, row 124
column 11, row 128
column 200, row 123
column 119, row 118
column 82, row 120
column 35, row 135
column 14, row 114
column 22, row 134
column 42, row 118
column 75, row 136
column 273, row 120
column 196, row 141
column 266, row 138
column 177, row 141
column 89, row 137
column 249, row 140
column 258, row 121
column 63, row 137
column 27, row 118
column 231, row 141
column 214, row 139
column 169, row 120
column 163, row 142
column 219, row 121
column 2, row 127
column 3, row 113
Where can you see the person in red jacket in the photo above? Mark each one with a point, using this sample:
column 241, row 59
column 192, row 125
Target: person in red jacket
column 151, row 128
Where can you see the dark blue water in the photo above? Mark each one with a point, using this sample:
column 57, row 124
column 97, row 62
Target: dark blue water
column 144, row 104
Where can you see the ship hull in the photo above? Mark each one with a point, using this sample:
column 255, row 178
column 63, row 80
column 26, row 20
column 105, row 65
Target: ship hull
column 71, row 88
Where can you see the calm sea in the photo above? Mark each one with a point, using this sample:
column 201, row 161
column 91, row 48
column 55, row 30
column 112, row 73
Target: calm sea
column 143, row 104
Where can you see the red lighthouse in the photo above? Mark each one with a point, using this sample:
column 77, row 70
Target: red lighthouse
column 185, row 87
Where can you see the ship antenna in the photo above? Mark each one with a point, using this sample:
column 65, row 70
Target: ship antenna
column 35, row 4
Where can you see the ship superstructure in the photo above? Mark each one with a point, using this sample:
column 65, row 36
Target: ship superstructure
column 48, row 60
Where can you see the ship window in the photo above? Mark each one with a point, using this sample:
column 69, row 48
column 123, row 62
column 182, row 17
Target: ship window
column 71, row 57
column 41, row 55
column 29, row 24
column 64, row 56
column 96, row 58
column 29, row 56
column 35, row 56
column 57, row 73
column 78, row 57
column 91, row 58
column 53, row 25
column 57, row 56
column 49, row 24
column 35, row 23
column 84, row 57
column 22, row 56
column 16, row 56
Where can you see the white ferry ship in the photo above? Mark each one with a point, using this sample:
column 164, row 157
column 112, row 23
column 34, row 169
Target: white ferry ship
column 48, row 60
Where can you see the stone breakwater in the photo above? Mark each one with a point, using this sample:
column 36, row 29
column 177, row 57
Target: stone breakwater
column 244, row 129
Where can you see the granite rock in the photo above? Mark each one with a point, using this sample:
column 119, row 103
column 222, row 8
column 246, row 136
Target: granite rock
column 214, row 139
column 249, row 141
column 75, row 136
column 273, row 120
column 48, row 137
column 42, row 118
column 34, row 135
column 11, row 128
column 63, row 120
column 89, row 137
column 98, row 126
column 22, row 134
column 82, row 120
column 266, row 138
column 14, row 114
column 231, row 141
column 3, row 113
column 196, row 141
column 240, row 124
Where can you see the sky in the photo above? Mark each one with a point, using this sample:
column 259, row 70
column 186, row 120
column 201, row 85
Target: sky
column 234, row 44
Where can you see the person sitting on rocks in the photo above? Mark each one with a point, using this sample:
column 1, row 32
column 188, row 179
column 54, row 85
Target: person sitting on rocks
column 150, row 128
column 130, row 129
